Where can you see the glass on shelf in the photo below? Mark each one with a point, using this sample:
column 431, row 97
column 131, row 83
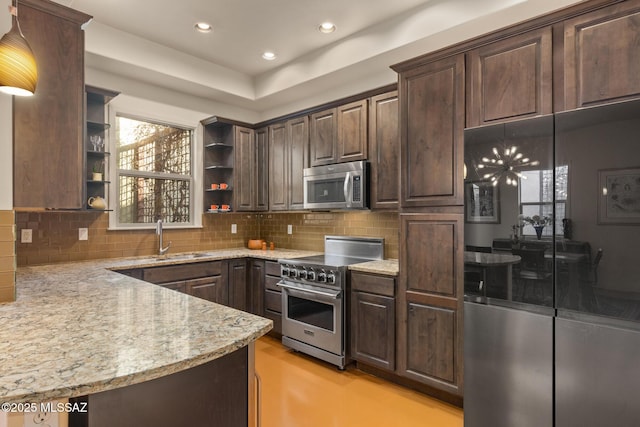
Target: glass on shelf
column 97, row 142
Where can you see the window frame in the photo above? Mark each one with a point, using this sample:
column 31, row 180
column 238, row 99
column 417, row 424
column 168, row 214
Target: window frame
column 556, row 230
column 195, row 184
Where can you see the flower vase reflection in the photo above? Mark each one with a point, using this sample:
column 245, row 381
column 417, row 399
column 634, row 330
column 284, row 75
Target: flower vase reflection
column 537, row 222
column 538, row 229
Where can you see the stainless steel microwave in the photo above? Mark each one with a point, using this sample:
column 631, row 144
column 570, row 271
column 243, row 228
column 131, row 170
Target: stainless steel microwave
column 339, row 186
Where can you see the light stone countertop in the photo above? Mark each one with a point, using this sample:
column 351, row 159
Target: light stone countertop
column 79, row 328
column 388, row 267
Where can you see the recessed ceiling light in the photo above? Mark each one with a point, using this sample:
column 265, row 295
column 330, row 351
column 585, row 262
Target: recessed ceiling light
column 269, row 56
column 203, row 27
column 327, row 27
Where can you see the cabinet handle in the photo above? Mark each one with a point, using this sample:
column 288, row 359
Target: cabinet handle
column 258, row 399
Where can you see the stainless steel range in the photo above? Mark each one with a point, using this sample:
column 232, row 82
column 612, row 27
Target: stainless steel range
column 314, row 296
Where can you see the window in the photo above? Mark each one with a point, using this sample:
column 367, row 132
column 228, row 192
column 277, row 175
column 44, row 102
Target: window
column 536, row 197
column 154, row 172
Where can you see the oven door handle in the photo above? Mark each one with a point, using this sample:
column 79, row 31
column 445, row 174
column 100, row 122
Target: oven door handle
column 331, row 295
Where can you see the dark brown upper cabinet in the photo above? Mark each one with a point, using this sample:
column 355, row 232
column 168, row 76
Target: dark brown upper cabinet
column 339, row 134
column 384, row 145
column 48, row 127
column 432, row 114
column 511, row 79
column 288, row 156
column 245, row 169
column 602, row 56
column 261, row 179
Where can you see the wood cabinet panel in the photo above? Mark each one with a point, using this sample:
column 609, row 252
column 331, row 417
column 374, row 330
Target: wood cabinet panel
column 298, row 151
column 324, row 138
column 256, row 286
column 373, row 283
column 352, row 130
column 278, row 167
column 432, row 115
column 384, row 146
column 170, row 273
column 373, row 323
column 430, row 302
column 511, row 79
column 214, row 289
column 272, row 268
column 602, row 55
column 245, row 181
column 261, row 180
column 48, row 127
column 238, row 293
column 431, row 348
column 273, row 301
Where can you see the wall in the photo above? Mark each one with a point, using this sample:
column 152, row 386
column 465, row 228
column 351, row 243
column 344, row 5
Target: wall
column 55, row 235
column 7, row 234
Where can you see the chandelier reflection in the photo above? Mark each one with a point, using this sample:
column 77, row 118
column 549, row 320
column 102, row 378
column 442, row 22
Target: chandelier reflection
column 505, row 165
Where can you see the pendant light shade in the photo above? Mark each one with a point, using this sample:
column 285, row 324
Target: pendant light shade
column 18, row 70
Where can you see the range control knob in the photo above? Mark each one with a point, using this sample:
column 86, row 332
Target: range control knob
column 293, row 272
column 331, row 278
column 284, row 271
column 322, row 276
column 302, row 273
column 311, row 275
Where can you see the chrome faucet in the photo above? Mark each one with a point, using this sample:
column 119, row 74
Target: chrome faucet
column 161, row 250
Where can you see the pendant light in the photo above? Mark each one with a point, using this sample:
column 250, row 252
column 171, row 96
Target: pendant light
column 18, row 70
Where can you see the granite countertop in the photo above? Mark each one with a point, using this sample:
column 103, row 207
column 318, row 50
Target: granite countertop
column 388, row 267
column 81, row 328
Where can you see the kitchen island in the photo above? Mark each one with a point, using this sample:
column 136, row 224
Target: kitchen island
column 80, row 329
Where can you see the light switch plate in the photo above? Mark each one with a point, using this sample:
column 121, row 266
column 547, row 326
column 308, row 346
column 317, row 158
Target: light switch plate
column 234, row 228
column 26, row 235
column 83, row 234
column 289, row 229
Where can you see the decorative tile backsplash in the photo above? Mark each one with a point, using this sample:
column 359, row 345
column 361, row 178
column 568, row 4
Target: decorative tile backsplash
column 7, row 256
column 55, row 234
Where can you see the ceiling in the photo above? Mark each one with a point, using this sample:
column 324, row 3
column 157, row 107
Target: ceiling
column 154, row 43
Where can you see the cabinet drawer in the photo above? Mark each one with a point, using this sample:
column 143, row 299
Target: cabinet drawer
column 270, row 282
column 171, row 273
column 272, row 268
column 376, row 284
column 273, row 301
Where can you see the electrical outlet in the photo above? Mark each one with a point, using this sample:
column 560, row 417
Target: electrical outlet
column 40, row 419
column 289, row 229
column 234, row 228
column 26, row 235
column 83, row 234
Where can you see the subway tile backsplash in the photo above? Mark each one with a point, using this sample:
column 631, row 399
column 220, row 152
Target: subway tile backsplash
column 55, row 234
column 7, row 256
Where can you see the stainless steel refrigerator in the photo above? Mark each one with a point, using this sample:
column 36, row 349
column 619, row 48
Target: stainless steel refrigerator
column 552, row 270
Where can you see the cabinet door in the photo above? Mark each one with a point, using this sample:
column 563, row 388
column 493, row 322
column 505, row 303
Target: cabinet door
column 261, row 180
column 213, row 288
column 324, row 138
column 352, row 131
column 431, row 133
column 238, row 295
column 48, row 150
column 278, row 159
column 372, row 329
column 244, row 170
column 298, row 154
column 430, row 300
column 511, row 79
column 601, row 56
column 384, row 144
column 256, row 286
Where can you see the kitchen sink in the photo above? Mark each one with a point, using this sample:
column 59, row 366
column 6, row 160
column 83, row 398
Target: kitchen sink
column 178, row 257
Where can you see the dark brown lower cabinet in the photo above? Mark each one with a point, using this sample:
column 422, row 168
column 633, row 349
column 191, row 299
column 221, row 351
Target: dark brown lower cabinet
column 212, row 288
column 213, row 394
column 273, row 296
column 238, row 296
column 256, row 286
column 372, row 327
column 430, row 300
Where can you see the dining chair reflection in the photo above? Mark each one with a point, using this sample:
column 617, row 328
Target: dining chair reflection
column 532, row 272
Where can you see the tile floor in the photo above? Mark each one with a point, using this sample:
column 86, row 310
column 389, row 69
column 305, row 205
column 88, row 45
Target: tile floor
column 298, row 391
